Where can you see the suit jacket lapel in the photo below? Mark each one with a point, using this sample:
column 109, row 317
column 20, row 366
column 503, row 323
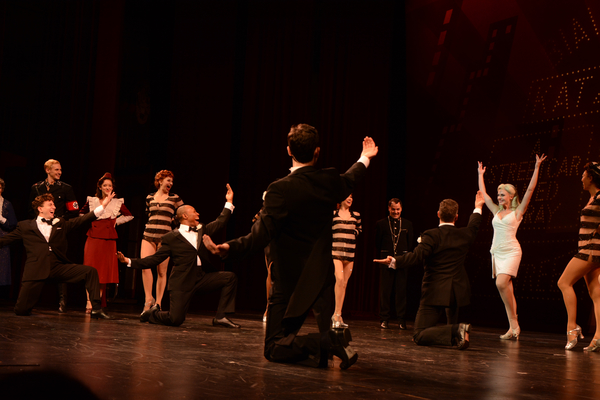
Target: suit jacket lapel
column 200, row 234
column 36, row 229
column 182, row 238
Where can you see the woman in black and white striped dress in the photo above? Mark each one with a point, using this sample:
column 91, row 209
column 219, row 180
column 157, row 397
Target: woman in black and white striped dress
column 346, row 227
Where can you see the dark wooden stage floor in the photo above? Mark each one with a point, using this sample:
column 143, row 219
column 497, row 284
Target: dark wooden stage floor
column 126, row 359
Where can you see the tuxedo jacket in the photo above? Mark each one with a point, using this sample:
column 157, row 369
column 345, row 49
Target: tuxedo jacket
column 38, row 264
column 186, row 271
column 296, row 224
column 383, row 238
column 443, row 250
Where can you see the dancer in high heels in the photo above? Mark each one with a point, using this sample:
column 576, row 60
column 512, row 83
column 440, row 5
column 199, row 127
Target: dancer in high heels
column 101, row 245
column 346, row 227
column 586, row 263
column 160, row 207
column 506, row 251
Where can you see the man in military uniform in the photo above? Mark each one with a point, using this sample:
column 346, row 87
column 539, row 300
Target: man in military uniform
column 64, row 198
column 65, row 203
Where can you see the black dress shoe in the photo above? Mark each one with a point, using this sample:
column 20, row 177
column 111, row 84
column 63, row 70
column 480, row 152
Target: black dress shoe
column 99, row 314
column 226, row 322
column 462, row 341
column 145, row 316
column 384, row 325
column 340, row 347
column 402, row 325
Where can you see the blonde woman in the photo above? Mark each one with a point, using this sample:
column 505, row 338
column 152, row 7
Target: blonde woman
column 506, row 250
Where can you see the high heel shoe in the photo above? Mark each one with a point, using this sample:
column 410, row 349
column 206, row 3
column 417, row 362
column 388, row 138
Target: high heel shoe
column 511, row 334
column 337, row 323
column 594, row 346
column 148, row 305
column 572, row 343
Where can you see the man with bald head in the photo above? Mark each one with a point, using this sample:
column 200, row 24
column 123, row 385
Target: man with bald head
column 190, row 259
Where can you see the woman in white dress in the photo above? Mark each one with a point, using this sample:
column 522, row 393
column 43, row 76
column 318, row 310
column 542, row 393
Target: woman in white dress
column 506, row 251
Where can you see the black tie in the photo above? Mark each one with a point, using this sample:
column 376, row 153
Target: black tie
column 48, row 221
column 193, row 229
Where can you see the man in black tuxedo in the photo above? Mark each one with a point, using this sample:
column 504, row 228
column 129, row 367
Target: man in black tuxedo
column 65, row 203
column 445, row 281
column 45, row 241
column 190, row 259
column 296, row 224
column 393, row 237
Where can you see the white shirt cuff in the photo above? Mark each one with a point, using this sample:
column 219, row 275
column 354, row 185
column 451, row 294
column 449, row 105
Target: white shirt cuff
column 365, row 160
column 229, row 206
column 129, row 263
column 98, row 211
column 393, row 264
column 477, row 210
column 2, row 219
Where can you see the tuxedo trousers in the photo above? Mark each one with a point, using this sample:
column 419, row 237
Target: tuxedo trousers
column 392, row 281
column 180, row 300
column 59, row 273
column 426, row 331
column 282, row 342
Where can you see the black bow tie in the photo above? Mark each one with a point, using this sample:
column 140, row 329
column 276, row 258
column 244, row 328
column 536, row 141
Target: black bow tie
column 193, row 229
column 48, row 221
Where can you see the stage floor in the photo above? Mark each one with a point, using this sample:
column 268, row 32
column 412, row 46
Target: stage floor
column 126, row 359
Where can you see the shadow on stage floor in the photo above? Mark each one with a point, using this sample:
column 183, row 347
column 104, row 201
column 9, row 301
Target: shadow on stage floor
column 126, row 359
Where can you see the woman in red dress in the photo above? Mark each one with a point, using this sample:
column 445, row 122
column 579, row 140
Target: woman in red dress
column 101, row 245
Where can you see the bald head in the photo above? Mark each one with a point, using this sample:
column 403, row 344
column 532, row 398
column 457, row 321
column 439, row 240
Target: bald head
column 187, row 215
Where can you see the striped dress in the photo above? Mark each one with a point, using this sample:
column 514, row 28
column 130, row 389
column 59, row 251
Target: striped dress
column 589, row 241
column 345, row 232
column 160, row 216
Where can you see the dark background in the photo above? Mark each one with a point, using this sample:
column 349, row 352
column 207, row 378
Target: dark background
column 209, row 89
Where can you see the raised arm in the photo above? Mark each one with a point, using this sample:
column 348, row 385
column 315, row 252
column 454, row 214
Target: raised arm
column 527, row 197
column 493, row 207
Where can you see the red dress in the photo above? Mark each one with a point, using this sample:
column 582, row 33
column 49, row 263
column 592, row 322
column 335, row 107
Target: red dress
column 101, row 245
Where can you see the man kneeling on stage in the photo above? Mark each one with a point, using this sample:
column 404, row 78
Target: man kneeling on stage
column 189, row 255
column 445, row 281
column 45, row 241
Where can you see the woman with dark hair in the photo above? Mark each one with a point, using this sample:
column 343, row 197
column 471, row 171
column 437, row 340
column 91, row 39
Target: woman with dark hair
column 101, row 244
column 586, row 263
column 506, row 250
column 346, row 227
column 160, row 207
column 8, row 222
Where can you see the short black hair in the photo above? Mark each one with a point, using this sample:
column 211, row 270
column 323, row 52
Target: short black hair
column 303, row 140
column 593, row 170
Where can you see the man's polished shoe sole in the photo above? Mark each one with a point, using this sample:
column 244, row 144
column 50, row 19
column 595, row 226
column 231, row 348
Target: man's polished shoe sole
column 384, row 325
column 226, row 323
column 100, row 315
column 463, row 330
column 340, row 339
column 145, row 316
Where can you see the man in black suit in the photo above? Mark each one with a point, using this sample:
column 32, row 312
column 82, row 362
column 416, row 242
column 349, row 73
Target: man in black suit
column 45, row 241
column 296, row 224
column 445, row 281
column 65, row 203
column 393, row 237
column 190, row 259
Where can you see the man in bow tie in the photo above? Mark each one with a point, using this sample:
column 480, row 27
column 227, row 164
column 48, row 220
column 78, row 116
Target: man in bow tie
column 45, row 241
column 190, row 259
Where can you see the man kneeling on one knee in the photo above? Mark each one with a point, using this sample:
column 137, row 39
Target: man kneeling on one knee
column 189, row 255
column 445, row 282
